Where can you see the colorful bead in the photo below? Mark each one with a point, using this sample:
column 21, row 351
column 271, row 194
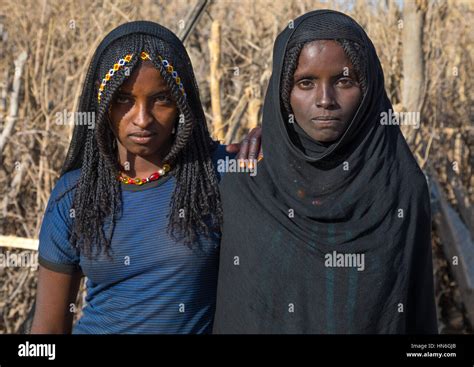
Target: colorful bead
column 154, row 176
column 144, row 56
column 169, row 68
column 117, row 66
column 138, row 181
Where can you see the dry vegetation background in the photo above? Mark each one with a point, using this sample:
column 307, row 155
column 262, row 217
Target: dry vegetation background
column 60, row 36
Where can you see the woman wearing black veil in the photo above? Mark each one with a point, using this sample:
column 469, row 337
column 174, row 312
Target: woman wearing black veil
column 333, row 235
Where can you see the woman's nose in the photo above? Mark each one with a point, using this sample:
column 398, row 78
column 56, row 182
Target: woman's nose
column 143, row 118
column 325, row 96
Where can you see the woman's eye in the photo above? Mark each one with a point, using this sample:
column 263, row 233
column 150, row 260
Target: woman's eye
column 305, row 84
column 122, row 99
column 345, row 82
column 163, row 98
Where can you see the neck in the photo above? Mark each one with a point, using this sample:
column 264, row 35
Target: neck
column 134, row 165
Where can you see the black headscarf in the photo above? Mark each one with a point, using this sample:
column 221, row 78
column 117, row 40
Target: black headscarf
column 364, row 194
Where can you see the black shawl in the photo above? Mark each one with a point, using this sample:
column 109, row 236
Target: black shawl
column 362, row 195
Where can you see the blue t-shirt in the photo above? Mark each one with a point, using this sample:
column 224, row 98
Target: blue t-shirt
column 151, row 283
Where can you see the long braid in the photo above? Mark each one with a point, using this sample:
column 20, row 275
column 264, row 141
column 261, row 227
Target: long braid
column 353, row 51
column 98, row 192
column 184, row 128
column 290, row 65
column 194, row 206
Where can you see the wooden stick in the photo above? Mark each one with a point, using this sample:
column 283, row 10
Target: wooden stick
column 15, row 184
column 427, row 152
column 234, row 120
column 215, row 79
column 19, row 242
column 253, row 110
column 192, row 19
column 13, row 112
column 456, row 241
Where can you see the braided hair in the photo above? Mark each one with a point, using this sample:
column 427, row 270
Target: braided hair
column 353, row 51
column 196, row 206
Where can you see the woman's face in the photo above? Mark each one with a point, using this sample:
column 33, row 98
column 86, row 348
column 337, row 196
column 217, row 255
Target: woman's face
column 326, row 92
column 143, row 113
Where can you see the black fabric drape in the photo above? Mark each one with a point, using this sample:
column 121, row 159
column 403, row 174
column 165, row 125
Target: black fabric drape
column 364, row 194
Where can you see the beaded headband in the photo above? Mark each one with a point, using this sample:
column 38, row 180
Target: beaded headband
column 144, row 56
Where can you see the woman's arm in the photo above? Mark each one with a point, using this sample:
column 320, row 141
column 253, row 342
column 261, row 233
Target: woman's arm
column 56, row 292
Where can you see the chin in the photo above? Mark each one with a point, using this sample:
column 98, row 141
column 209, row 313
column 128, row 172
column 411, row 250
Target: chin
column 143, row 150
column 323, row 135
column 326, row 138
column 328, row 141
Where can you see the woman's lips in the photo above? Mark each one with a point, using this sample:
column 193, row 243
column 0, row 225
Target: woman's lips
column 326, row 121
column 141, row 138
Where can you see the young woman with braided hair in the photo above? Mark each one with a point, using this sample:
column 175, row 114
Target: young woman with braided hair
column 334, row 233
column 137, row 208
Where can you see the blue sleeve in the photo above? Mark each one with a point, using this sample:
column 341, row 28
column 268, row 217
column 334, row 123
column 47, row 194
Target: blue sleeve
column 55, row 250
column 220, row 154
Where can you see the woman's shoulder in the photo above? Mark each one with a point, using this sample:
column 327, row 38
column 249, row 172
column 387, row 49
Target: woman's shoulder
column 70, row 178
column 219, row 156
column 65, row 185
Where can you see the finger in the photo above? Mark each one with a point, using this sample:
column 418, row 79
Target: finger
column 244, row 150
column 249, row 137
column 233, row 148
column 258, row 131
column 254, row 148
column 257, row 134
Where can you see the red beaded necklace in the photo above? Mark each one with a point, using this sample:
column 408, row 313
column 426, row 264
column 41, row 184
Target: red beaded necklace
column 140, row 181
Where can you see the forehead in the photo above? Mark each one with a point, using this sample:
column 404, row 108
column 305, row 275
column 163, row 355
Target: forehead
column 144, row 77
column 323, row 56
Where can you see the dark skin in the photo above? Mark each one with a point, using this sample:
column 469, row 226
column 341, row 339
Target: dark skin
column 326, row 92
column 142, row 117
column 54, row 295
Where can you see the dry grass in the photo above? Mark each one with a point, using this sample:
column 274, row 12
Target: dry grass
column 60, row 37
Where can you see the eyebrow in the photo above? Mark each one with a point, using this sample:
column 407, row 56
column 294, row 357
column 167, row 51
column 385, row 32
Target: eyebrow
column 311, row 76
